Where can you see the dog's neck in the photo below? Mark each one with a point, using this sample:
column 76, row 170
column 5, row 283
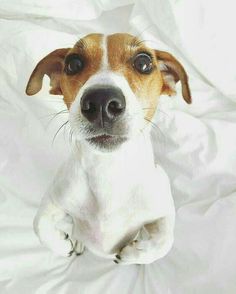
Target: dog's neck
column 134, row 152
column 113, row 175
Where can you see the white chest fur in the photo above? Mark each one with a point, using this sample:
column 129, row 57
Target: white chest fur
column 110, row 196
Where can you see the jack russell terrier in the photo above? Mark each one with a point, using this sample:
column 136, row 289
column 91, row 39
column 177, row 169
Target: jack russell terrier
column 109, row 196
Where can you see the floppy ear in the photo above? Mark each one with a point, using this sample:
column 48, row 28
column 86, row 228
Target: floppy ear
column 52, row 66
column 173, row 71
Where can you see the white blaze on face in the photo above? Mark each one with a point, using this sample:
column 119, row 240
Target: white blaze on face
column 105, row 55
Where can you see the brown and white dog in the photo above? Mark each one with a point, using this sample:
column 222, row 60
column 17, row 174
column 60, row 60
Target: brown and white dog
column 109, row 196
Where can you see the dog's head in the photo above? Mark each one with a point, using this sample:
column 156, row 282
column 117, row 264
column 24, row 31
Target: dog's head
column 110, row 85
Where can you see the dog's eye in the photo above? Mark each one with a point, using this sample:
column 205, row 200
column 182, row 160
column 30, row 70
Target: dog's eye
column 73, row 64
column 143, row 63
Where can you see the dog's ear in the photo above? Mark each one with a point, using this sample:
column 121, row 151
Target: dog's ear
column 173, row 71
column 52, row 66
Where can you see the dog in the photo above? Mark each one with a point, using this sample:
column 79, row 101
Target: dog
column 109, row 196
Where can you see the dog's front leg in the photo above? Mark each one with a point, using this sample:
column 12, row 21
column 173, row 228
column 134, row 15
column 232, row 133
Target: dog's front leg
column 54, row 228
column 153, row 241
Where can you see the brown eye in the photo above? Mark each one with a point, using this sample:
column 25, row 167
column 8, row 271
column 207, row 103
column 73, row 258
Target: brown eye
column 73, row 64
column 143, row 63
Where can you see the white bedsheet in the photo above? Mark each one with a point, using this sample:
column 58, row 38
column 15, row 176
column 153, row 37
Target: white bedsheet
column 195, row 144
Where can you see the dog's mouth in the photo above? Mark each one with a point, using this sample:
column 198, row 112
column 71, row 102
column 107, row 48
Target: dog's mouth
column 108, row 142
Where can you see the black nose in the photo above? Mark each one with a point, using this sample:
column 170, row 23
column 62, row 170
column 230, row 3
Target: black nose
column 102, row 105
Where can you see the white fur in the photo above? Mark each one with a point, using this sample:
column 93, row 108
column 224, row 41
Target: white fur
column 105, row 55
column 105, row 201
column 110, row 197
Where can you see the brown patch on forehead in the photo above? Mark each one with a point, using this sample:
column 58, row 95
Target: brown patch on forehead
column 90, row 50
column 121, row 49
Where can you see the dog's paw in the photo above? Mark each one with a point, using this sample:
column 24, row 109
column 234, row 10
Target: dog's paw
column 63, row 246
column 143, row 251
column 133, row 253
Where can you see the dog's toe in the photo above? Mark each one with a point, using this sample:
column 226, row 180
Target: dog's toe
column 79, row 248
column 70, row 253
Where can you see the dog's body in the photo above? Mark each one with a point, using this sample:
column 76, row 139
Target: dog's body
column 109, row 195
column 109, row 202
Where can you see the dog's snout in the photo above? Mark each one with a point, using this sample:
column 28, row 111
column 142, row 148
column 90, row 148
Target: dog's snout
column 102, row 105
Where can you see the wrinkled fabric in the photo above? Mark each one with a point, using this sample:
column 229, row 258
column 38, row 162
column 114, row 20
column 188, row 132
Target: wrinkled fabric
column 196, row 145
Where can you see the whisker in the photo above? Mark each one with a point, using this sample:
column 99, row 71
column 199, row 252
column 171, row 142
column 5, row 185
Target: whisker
column 54, row 114
column 163, row 112
column 157, row 109
column 155, row 126
column 151, row 122
column 63, row 125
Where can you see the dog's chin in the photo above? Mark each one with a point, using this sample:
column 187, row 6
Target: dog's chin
column 106, row 143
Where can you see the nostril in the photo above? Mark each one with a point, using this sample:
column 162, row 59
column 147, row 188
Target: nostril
column 115, row 107
column 85, row 105
column 89, row 107
column 90, row 110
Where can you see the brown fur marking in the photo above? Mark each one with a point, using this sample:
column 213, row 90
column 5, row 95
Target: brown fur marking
column 147, row 87
column 91, row 51
column 121, row 49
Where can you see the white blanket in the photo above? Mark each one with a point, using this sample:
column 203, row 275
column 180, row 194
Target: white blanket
column 195, row 144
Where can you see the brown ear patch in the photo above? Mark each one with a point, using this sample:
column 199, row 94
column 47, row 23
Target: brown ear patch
column 50, row 65
column 90, row 50
column 173, row 71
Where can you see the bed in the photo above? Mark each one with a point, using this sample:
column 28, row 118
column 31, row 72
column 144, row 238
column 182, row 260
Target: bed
column 196, row 145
